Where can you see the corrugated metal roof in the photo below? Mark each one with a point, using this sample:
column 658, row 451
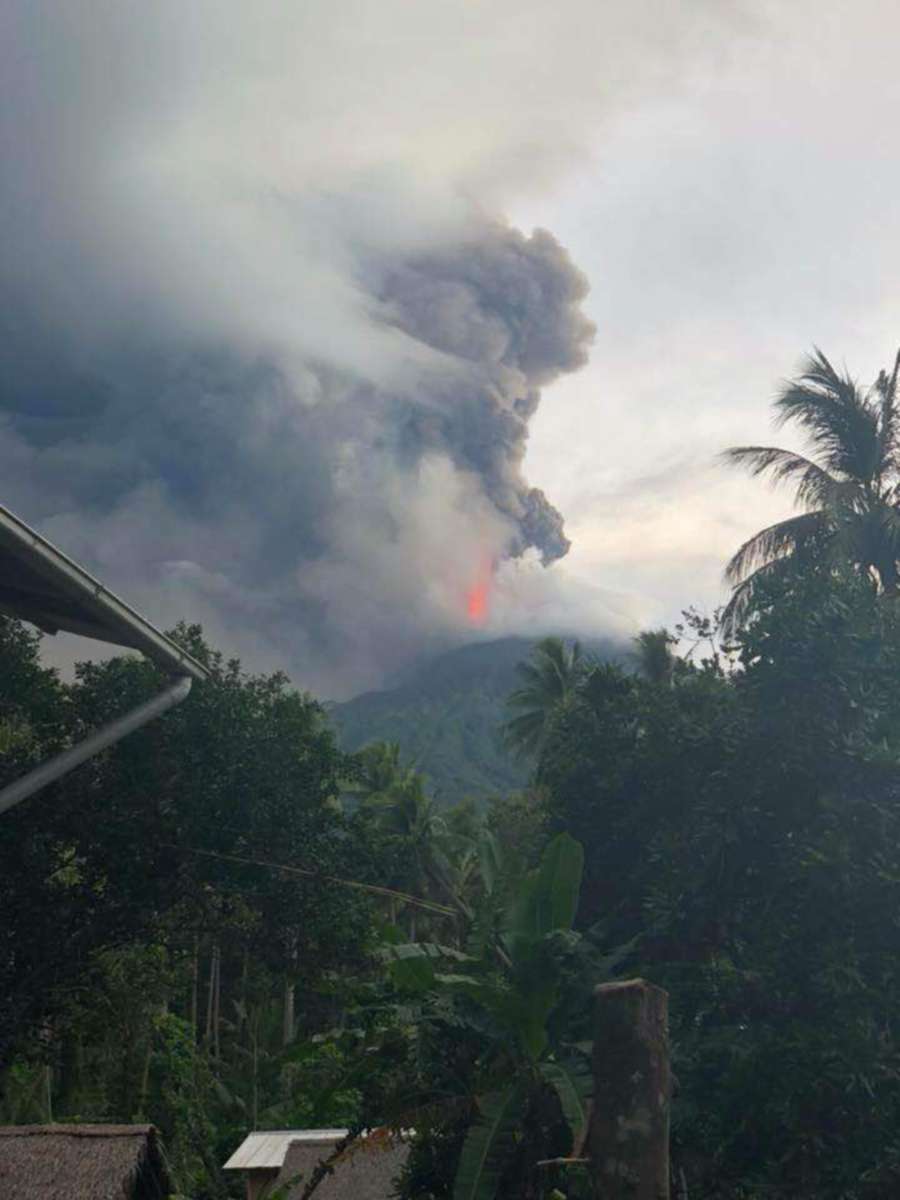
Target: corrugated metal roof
column 266, row 1149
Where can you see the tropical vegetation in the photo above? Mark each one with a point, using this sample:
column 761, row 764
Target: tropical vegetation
column 227, row 922
column 848, row 487
column 547, row 682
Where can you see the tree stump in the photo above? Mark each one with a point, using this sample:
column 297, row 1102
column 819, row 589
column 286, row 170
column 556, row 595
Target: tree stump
column 628, row 1139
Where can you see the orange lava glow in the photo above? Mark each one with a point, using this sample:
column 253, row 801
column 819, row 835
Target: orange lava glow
column 477, row 604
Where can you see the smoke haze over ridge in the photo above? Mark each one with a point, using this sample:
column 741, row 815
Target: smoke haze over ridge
column 269, row 349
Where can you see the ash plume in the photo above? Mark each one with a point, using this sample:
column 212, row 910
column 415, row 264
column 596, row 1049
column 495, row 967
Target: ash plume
column 509, row 306
column 267, row 355
column 261, row 495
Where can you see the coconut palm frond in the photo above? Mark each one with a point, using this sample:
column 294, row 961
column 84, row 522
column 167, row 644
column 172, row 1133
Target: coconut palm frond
column 741, row 602
column 775, row 542
column 653, row 652
column 842, row 423
column 850, row 485
column 551, row 659
column 885, row 394
column 553, row 670
column 870, row 538
column 814, row 485
column 532, row 675
column 524, row 733
column 548, row 680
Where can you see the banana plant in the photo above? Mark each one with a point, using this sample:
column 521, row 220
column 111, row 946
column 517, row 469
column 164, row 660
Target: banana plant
column 529, row 1088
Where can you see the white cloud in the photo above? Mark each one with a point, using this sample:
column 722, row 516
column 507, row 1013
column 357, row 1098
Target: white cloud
column 726, row 225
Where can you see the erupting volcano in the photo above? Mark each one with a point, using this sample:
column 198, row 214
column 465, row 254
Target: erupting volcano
column 365, row 444
column 478, row 595
column 477, row 604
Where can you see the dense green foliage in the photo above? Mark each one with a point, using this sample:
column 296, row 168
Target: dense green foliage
column 149, row 968
column 742, row 828
column 548, row 681
column 517, row 1092
column 446, row 718
column 226, row 922
column 848, row 488
column 740, row 818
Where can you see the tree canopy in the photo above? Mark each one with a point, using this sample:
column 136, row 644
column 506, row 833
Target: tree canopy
column 741, row 833
column 225, row 923
column 848, row 487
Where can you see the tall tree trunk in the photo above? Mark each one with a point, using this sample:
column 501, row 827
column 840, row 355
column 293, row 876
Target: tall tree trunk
column 254, row 1041
column 210, row 993
column 67, row 1071
column 245, row 971
column 145, row 1079
column 195, row 985
column 218, row 1000
column 287, row 1025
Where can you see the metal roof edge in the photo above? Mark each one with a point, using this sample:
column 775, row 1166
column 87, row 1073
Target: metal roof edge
column 245, row 1156
column 126, row 625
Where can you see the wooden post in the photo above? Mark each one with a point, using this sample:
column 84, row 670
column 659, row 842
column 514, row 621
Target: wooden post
column 628, row 1139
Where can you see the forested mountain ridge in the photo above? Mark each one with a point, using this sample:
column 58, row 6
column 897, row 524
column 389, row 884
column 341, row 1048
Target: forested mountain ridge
column 446, row 717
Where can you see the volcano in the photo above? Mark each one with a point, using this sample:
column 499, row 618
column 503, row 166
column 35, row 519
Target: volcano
column 446, row 716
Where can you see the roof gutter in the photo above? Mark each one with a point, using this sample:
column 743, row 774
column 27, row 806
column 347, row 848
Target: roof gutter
column 103, row 737
column 42, row 585
column 103, row 614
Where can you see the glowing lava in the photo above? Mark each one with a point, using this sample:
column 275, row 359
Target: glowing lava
column 477, row 603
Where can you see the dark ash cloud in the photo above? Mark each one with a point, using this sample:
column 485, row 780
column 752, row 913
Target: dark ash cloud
column 509, row 306
column 248, row 491
column 268, row 355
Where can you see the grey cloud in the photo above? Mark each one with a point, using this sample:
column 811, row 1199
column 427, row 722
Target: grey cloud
column 268, row 356
column 510, row 306
column 220, row 480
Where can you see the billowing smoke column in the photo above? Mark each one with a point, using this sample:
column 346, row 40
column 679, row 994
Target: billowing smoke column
column 309, row 516
column 507, row 305
column 248, row 374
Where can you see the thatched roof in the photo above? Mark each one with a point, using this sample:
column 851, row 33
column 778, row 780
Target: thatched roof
column 81, row 1162
column 367, row 1170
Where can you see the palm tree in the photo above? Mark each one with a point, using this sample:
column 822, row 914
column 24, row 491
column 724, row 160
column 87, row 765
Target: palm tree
column 849, row 487
column 411, row 821
column 549, row 680
column 380, row 769
column 653, row 652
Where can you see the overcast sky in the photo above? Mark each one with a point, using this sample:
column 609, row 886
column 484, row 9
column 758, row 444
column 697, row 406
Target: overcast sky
column 272, row 344
column 727, row 223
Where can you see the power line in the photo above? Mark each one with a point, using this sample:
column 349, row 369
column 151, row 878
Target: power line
column 373, row 888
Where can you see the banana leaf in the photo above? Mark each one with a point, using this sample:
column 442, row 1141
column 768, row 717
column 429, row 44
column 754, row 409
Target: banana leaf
column 489, row 1144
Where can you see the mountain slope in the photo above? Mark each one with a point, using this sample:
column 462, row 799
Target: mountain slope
column 446, row 717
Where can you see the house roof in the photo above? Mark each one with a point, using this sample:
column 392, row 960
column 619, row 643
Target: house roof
column 266, row 1149
column 366, row 1170
column 40, row 584
column 82, row 1162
